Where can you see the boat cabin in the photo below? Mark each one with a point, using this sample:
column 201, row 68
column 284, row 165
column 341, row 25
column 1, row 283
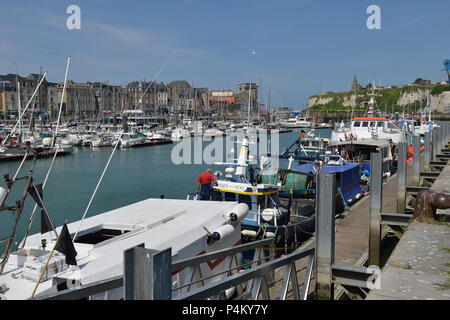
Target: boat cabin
column 258, row 197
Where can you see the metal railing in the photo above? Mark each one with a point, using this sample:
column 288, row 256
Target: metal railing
column 133, row 262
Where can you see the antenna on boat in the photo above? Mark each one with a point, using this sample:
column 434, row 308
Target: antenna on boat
column 60, row 105
column 248, row 115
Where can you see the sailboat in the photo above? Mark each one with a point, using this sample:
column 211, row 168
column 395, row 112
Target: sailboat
column 39, row 267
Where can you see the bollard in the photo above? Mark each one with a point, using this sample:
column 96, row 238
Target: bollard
column 147, row 274
column 401, row 176
column 376, row 192
column 325, row 229
column 416, row 161
column 426, row 152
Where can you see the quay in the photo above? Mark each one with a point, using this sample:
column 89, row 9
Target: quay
column 419, row 267
column 347, row 257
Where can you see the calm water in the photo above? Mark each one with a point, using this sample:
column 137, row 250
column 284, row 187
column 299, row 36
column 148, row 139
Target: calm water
column 133, row 175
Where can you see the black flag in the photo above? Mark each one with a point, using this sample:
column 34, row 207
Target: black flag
column 33, row 193
column 66, row 247
column 46, row 224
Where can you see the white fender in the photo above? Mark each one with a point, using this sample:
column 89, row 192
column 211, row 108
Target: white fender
column 222, row 232
column 238, row 213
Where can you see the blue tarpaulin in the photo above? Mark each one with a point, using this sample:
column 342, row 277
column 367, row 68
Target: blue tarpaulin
column 347, row 178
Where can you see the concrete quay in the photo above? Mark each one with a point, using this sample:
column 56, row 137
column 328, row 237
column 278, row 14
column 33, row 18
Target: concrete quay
column 419, row 266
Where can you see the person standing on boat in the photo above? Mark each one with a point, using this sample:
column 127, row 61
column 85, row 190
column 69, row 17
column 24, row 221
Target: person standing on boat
column 204, row 184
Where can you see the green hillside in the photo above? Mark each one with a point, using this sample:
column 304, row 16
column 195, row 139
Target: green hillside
column 387, row 98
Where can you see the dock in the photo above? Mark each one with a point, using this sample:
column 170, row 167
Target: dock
column 374, row 251
column 419, row 267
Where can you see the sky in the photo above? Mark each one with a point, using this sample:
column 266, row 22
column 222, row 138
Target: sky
column 303, row 46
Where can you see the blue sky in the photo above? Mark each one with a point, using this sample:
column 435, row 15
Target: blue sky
column 301, row 43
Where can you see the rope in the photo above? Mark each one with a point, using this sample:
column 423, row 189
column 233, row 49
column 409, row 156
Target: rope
column 60, row 106
column 30, row 222
column 98, row 184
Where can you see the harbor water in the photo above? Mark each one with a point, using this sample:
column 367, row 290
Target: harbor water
column 133, row 175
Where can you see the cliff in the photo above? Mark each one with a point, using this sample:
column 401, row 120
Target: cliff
column 436, row 96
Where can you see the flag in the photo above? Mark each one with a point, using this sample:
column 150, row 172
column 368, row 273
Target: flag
column 66, row 247
column 32, row 190
column 46, row 224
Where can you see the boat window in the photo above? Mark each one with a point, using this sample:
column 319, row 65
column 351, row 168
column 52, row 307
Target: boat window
column 242, row 198
column 230, row 196
column 365, row 124
column 315, row 143
column 357, row 124
column 380, row 124
column 372, row 124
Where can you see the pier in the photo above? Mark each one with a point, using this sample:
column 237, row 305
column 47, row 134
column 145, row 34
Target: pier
column 372, row 251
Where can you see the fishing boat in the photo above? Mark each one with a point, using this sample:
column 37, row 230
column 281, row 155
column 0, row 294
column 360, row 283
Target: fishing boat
column 359, row 151
column 267, row 217
column 189, row 228
column 360, row 128
column 368, row 127
column 312, row 145
column 300, row 181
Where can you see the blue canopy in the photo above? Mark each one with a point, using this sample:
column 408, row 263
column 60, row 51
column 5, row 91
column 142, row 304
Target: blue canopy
column 349, row 181
column 326, row 168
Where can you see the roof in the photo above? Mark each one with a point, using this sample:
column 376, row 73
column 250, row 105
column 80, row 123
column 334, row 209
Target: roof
column 371, row 142
column 326, row 168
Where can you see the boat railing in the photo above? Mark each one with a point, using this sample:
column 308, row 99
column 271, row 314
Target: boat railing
column 193, row 194
column 250, row 278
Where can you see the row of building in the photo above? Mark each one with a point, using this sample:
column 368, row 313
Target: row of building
column 94, row 98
